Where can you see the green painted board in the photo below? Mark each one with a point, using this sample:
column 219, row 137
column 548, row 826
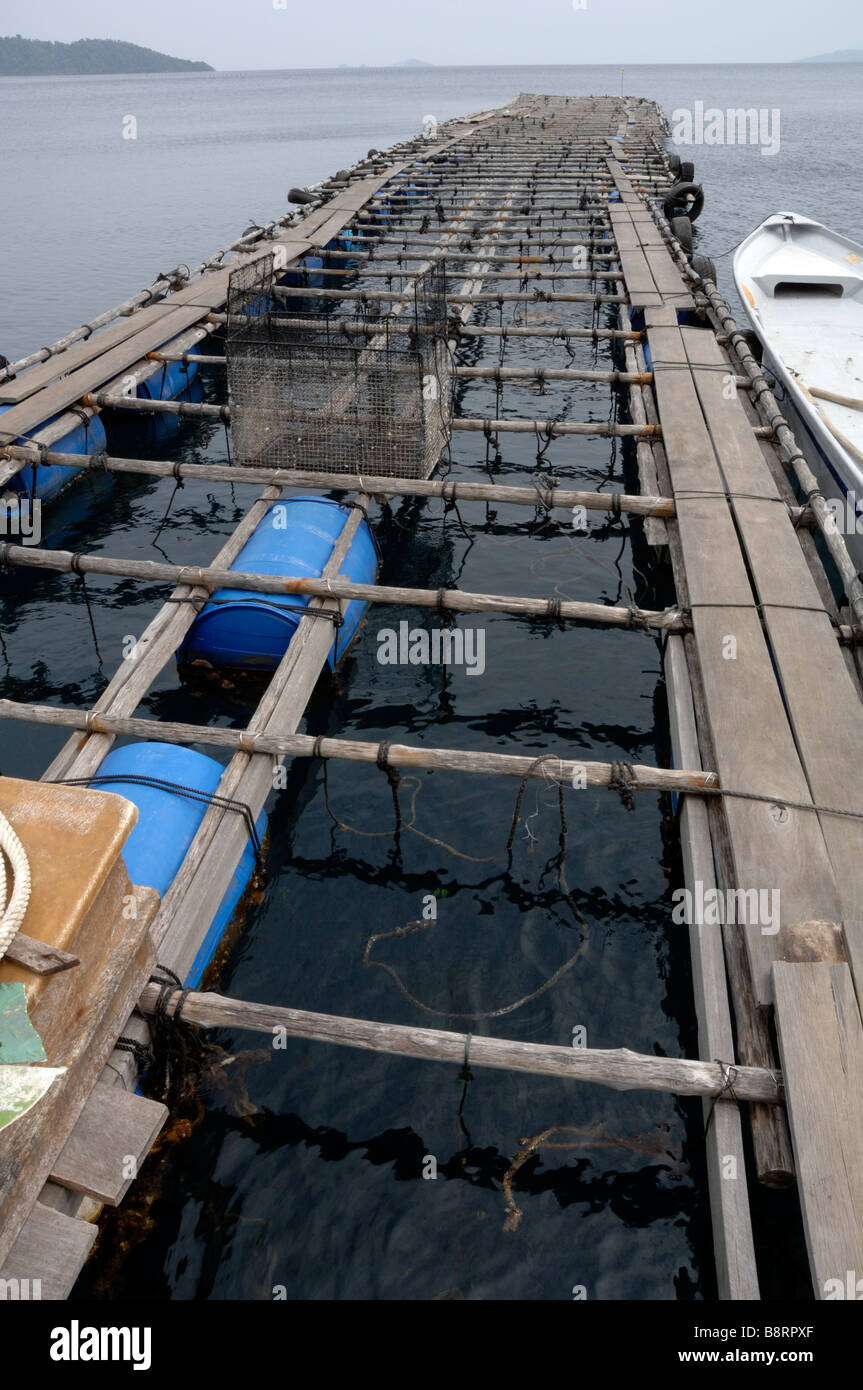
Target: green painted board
column 19, row 1041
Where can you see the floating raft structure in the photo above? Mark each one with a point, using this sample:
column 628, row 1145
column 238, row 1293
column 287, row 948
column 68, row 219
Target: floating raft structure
column 569, row 206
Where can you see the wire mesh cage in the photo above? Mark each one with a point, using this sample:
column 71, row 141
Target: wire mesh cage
column 368, row 395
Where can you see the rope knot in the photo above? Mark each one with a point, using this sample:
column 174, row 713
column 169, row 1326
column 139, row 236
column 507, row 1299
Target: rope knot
column 624, row 782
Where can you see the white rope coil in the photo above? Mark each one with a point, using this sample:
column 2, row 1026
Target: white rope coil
column 14, row 910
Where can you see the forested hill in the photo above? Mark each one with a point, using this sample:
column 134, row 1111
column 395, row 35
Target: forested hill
column 37, row 58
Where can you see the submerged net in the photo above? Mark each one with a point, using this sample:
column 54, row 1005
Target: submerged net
column 334, row 399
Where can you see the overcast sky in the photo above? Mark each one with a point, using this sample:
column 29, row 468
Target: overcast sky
column 245, row 34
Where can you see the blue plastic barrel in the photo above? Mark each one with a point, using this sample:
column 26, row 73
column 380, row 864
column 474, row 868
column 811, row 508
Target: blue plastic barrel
column 170, row 381
column 168, row 822
column 307, row 276
column 296, row 537
column 50, row 480
column 173, row 379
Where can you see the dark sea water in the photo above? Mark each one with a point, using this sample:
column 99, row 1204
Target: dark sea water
column 301, row 1169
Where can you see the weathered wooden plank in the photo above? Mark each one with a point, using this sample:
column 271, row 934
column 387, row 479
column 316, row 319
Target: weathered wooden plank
column 112, row 1136
column 821, row 1044
column 37, row 956
column 734, row 1251
column 92, row 1025
column 774, row 849
column 802, row 640
column 12, row 392
column 50, row 1248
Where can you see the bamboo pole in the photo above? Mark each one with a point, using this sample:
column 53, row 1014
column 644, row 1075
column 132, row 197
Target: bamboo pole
column 620, row 1069
column 549, row 274
column 554, row 429
column 530, row 374
column 450, row 600
column 554, row 331
column 109, row 400
column 492, row 297
column 450, row 489
column 546, row 768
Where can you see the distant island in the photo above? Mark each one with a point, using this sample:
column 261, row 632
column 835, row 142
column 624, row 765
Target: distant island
column 38, row 58
column 412, row 63
column 842, row 55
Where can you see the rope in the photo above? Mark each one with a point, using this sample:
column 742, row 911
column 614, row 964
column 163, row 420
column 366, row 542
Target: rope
column 224, row 803
column 178, row 1048
column 729, row 1071
column 394, row 777
column 13, row 910
column 335, row 617
column 624, row 781
column 75, row 567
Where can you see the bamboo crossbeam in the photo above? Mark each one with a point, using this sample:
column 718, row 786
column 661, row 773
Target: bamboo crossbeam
column 532, row 374
column 112, row 400
column 541, row 374
column 451, row 600
column 391, row 237
column 453, row 490
column 392, row 254
column 553, row 331
column 619, row 1068
column 492, row 297
column 549, row 428
column 554, row 429
column 548, row 274
column 548, row 767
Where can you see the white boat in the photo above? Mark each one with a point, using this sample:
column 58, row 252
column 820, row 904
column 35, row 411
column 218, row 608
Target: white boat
column 802, row 287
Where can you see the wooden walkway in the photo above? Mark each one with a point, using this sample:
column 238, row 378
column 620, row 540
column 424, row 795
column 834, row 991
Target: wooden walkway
column 764, row 698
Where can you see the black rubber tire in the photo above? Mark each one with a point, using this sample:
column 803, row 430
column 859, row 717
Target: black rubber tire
column 686, row 199
column 682, row 229
column 300, row 196
column 674, row 164
column 687, row 172
column 753, row 342
column 703, row 266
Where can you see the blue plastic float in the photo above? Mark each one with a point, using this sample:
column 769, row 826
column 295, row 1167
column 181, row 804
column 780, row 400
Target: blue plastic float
column 49, row 480
column 167, row 823
column 296, row 537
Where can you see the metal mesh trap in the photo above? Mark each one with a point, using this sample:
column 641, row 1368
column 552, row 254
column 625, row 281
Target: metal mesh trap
column 368, row 395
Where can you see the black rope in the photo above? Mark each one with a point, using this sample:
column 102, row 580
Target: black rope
column 142, row 1052
column 178, row 483
column 394, row 777
column 729, row 1071
column 446, row 614
column 190, row 793
column 335, row 617
column 547, row 434
column 545, row 485
column 554, row 612
column 178, row 1049
column 75, row 566
column 624, row 782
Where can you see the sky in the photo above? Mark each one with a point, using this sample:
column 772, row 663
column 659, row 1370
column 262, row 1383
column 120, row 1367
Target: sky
column 239, row 35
